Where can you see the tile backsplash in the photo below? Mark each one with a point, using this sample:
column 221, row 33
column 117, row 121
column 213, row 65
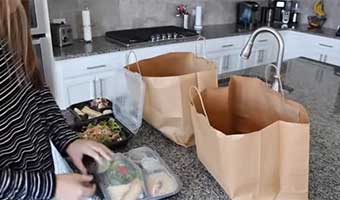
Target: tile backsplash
column 109, row 15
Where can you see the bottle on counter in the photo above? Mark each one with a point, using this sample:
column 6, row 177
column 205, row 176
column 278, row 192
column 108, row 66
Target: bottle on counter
column 86, row 16
column 198, row 18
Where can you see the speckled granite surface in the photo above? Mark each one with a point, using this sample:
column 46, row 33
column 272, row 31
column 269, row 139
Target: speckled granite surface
column 100, row 45
column 317, row 87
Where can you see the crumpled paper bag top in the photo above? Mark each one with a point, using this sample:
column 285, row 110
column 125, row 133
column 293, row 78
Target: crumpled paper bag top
column 248, row 105
column 172, row 64
column 253, row 106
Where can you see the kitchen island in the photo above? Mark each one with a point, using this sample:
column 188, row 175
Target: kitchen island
column 313, row 84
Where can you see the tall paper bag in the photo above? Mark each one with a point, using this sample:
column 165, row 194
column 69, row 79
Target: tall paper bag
column 168, row 78
column 268, row 164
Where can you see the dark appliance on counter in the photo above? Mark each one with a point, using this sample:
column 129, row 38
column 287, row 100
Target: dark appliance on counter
column 132, row 37
column 338, row 31
column 266, row 16
column 247, row 14
column 295, row 14
column 61, row 35
column 36, row 11
column 285, row 13
column 279, row 8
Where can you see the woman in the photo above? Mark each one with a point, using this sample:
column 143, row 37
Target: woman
column 30, row 118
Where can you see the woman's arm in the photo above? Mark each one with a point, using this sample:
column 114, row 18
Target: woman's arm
column 62, row 136
column 26, row 185
column 60, row 133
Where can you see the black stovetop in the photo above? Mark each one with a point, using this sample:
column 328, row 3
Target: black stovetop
column 148, row 35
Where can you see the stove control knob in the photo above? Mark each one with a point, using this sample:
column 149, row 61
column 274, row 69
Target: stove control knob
column 163, row 36
column 158, row 37
column 169, row 36
column 175, row 35
column 153, row 38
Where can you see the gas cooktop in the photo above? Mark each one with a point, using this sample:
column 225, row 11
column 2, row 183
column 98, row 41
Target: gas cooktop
column 133, row 37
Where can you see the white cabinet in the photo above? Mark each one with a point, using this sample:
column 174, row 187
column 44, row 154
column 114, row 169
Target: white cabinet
column 294, row 44
column 85, row 78
column 226, row 53
column 314, row 47
column 79, row 89
column 106, row 84
column 264, row 51
column 326, row 51
column 88, row 87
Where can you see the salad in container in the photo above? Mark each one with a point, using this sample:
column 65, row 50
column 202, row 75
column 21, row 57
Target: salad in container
column 139, row 174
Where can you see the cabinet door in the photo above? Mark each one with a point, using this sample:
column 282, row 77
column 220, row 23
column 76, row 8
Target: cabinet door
column 331, row 59
column 218, row 59
column 230, row 62
column 262, row 56
column 226, row 60
column 106, row 84
column 80, row 89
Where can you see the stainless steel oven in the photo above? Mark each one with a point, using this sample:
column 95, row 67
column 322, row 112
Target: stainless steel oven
column 41, row 46
column 41, row 37
column 38, row 11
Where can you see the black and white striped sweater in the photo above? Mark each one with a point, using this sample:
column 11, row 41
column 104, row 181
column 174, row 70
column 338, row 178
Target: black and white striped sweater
column 29, row 119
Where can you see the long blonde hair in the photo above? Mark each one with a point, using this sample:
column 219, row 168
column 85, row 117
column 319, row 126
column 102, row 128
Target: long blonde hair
column 15, row 29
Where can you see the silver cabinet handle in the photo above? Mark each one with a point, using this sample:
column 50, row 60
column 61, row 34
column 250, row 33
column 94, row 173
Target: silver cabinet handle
column 325, row 58
column 101, row 87
column 95, row 67
column 227, row 46
column 263, row 40
column 95, row 88
column 326, row 45
column 321, row 57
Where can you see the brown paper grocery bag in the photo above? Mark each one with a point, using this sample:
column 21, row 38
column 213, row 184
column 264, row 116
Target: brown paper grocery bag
column 268, row 164
column 168, row 78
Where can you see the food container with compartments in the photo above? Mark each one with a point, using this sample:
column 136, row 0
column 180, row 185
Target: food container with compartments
column 139, row 174
column 106, row 130
column 89, row 111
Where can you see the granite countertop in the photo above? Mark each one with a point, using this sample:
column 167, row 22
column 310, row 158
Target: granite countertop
column 313, row 84
column 100, row 45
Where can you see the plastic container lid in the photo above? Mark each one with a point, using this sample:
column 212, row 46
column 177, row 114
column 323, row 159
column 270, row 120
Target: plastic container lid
column 128, row 99
column 138, row 174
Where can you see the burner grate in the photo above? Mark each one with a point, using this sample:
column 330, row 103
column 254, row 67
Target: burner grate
column 147, row 35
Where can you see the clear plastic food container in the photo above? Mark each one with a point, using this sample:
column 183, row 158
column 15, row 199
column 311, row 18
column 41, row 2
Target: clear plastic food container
column 139, row 174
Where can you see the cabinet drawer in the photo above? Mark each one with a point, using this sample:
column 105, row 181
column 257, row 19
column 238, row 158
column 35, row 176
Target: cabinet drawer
column 326, row 44
column 264, row 39
column 225, row 43
column 91, row 64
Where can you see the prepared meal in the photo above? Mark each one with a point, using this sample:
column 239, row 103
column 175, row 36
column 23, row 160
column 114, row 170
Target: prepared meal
column 92, row 109
column 100, row 103
column 159, row 179
column 106, row 132
column 121, row 178
column 160, row 183
column 139, row 174
column 142, row 153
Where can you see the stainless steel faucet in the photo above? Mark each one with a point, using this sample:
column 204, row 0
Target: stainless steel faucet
column 246, row 52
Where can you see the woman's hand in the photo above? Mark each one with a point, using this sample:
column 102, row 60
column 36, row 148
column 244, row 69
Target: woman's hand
column 77, row 149
column 74, row 187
